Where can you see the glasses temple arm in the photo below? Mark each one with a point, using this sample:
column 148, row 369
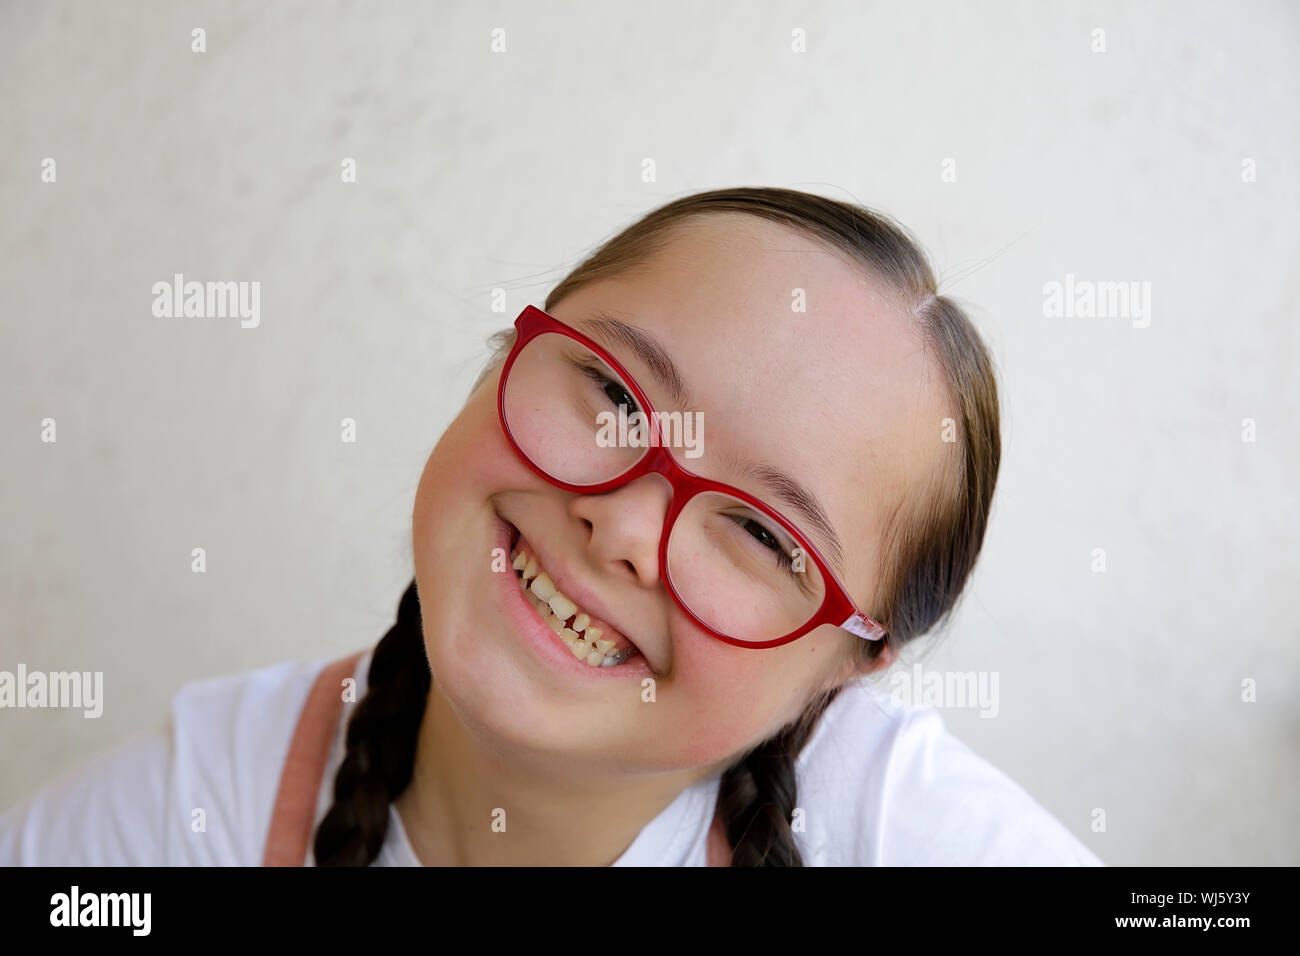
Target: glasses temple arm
column 864, row 628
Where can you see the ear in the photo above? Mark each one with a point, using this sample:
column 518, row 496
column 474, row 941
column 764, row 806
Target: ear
column 888, row 655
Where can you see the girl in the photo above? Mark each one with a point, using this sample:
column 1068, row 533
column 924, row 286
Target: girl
column 618, row 650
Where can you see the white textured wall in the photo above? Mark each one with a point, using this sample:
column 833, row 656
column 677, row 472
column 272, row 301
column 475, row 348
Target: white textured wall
column 1118, row 690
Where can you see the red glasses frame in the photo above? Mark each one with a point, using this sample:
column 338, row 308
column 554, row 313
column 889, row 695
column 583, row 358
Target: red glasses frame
column 837, row 608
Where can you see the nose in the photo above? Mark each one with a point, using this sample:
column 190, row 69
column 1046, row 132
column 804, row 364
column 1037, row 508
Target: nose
column 624, row 526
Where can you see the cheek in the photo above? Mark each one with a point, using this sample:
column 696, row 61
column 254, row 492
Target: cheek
column 471, row 462
column 728, row 699
column 453, row 535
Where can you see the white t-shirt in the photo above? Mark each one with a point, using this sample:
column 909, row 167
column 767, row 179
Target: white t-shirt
column 880, row 784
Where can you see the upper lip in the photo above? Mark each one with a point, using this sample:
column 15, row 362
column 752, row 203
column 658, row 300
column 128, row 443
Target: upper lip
column 568, row 585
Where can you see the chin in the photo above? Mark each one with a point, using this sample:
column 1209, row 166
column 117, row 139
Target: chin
column 511, row 713
column 496, row 700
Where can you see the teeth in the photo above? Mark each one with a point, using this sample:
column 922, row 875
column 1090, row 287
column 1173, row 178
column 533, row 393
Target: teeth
column 562, row 606
column 587, row 643
column 543, row 586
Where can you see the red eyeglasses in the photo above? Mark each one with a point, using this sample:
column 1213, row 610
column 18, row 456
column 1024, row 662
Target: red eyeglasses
column 738, row 568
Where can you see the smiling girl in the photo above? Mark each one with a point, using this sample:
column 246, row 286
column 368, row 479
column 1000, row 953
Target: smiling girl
column 611, row 653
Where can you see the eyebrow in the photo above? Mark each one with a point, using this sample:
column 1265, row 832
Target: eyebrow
column 651, row 353
column 785, row 487
column 777, row 482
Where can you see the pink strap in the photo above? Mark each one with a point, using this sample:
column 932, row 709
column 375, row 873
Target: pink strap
column 295, row 801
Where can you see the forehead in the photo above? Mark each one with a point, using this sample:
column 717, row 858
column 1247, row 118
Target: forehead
column 841, row 395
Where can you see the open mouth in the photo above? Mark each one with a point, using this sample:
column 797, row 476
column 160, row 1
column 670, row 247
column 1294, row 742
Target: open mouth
column 595, row 642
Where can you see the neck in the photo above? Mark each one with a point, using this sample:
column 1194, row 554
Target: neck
column 471, row 803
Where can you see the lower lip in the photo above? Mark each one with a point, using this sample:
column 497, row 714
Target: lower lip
column 538, row 635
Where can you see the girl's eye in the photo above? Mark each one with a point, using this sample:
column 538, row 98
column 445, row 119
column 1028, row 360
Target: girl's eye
column 765, row 538
column 616, row 392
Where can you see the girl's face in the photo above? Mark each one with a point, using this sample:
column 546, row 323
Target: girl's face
column 840, row 397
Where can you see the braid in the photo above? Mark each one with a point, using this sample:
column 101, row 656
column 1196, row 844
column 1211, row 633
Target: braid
column 757, row 796
column 381, row 742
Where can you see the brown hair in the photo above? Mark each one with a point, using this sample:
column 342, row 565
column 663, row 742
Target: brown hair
column 928, row 550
